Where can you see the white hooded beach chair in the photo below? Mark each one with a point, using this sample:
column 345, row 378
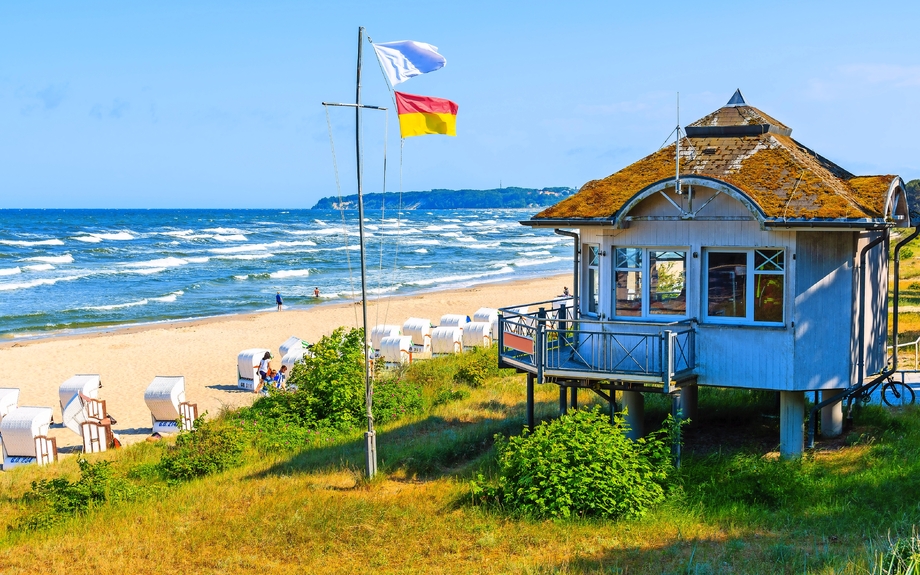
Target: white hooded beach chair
column 24, row 431
column 477, row 334
column 378, row 332
column 169, row 412
column 85, row 414
column 446, row 339
column 291, row 343
column 69, row 391
column 248, row 368
column 9, row 399
column 454, row 320
column 490, row 316
column 396, row 349
column 293, row 353
column 419, row 329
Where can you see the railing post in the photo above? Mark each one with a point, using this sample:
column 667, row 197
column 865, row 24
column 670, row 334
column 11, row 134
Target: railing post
column 668, row 363
column 540, row 344
column 501, row 338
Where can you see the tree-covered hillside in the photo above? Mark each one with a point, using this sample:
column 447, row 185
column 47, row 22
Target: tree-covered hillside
column 452, row 199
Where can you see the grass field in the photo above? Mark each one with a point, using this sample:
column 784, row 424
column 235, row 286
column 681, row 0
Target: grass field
column 734, row 507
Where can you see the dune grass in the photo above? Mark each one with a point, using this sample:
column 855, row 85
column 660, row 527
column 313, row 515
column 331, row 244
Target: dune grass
column 734, row 507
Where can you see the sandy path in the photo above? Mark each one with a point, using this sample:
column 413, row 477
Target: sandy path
column 205, row 351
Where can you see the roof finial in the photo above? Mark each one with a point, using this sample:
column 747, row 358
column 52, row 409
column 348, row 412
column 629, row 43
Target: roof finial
column 737, row 99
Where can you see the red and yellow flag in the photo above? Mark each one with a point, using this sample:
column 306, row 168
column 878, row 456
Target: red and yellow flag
column 420, row 115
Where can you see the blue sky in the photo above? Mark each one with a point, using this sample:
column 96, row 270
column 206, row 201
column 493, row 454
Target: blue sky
column 217, row 104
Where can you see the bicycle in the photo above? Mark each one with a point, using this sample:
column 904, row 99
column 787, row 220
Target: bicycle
column 894, row 393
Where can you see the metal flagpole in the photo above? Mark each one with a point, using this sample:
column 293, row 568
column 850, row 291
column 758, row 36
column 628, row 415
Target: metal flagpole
column 370, row 436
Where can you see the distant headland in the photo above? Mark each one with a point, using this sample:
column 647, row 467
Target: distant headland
column 451, row 199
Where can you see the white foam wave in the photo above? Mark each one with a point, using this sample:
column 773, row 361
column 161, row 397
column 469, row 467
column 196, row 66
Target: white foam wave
column 10, row 271
column 90, row 239
column 40, row 282
column 415, row 267
column 26, row 243
column 460, row 278
column 238, row 249
column 533, row 240
column 423, row 242
column 118, row 305
column 243, row 256
column 241, row 278
column 201, row 260
column 168, row 298
column 178, row 233
column 231, row 238
column 386, row 289
column 289, row 274
column 159, row 263
column 440, row 228
column 420, row 251
column 145, row 271
column 224, row 231
column 522, row 263
column 451, row 220
column 39, row 268
column 64, row 259
column 535, row 253
column 466, row 239
column 290, row 244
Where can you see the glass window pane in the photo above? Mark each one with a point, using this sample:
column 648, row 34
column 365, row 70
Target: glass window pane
column 768, row 297
column 667, row 289
column 593, row 289
column 629, row 258
column 594, row 256
column 726, row 284
column 769, row 260
column 629, row 293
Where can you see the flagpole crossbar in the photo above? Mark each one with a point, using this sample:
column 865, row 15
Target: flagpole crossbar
column 353, row 106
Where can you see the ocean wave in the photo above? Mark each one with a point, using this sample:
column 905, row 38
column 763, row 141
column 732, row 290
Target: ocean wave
column 534, row 254
column 290, row 244
column 238, row 249
column 145, row 271
column 400, row 232
column 440, row 228
column 243, row 256
column 64, row 259
column 420, row 251
column 158, row 263
column 178, row 233
column 289, row 274
column 460, row 278
column 39, row 282
column 533, row 240
column 231, row 238
column 423, row 242
column 523, row 263
column 452, row 235
column 466, row 239
column 451, row 220
column 241, row 277
column 118, row 305
column 480, row 245
column 382, row 290
column 39, row 268
column 415, row 267
column 88, row 239
column 170, row 298
column 27, row 243
column 200, row 260
column 225, row 231
column 10, row 271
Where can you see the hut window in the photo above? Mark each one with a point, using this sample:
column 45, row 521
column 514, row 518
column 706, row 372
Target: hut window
column 745, row 285
column 592, row 286
column 649, row 282
column 628, row 296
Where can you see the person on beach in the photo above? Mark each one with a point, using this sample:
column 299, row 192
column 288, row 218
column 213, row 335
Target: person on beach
column 280, row 378
column 265, row 369
column 565, row 291
column 316, row 292
column 278, row 300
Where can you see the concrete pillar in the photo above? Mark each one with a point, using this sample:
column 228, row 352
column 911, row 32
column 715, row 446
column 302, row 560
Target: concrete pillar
column 831, row 415
column 689, row 399
column 791, row 424
column 563, row 401
column 574, row 397
column 634, row 404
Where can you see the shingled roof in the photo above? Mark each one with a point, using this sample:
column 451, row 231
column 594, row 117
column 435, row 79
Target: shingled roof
column 741, row 146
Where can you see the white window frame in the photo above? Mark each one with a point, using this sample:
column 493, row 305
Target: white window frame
column 587, row 287
column 749, row 283
column 646, row 316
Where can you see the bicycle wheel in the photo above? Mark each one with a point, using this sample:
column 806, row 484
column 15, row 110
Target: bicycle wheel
column 896, row 394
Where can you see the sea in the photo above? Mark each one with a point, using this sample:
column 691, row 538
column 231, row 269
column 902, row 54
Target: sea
column 73, row 271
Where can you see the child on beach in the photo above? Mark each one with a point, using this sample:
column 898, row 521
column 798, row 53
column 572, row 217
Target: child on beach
column 280, row 378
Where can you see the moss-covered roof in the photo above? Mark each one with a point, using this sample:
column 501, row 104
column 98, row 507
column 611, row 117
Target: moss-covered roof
column 786, row 179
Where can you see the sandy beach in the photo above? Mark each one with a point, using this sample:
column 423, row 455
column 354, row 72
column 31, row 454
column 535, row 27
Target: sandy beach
column 205, row 351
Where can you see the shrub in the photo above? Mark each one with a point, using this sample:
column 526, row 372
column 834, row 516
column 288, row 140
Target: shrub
column 394, row 399
column 754, row 480
column 331, row 383
column 477, row 365
column 447, row 394
column 57, row 499
column 580, row 465
column 211, row 448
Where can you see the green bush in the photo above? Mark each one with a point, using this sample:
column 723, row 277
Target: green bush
column 580, row 465
column 477, row 365
column 394, row 399
column 211, row 448
column 54, row 500
column 331, row 382
column 756, row 481
column 447, row 394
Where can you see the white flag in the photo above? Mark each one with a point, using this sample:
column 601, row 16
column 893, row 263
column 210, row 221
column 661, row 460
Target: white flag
column 405, row 59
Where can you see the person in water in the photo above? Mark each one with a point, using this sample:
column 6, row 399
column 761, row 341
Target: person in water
column 316, row 292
